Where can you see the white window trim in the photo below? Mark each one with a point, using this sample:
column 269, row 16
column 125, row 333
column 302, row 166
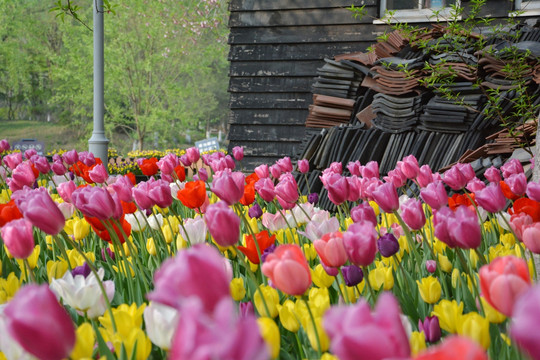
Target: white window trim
column 525, row 8
column 412, row 15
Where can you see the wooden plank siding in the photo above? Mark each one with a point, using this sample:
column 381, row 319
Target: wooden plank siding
column 275, row 49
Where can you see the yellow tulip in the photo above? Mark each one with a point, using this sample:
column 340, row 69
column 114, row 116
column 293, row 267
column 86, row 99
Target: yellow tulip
column 8, row 253
column 270, row 333
column 5, row 196
column 350, row 292
column 310, row 252
column 137, row 342
column 151, row 246
column 328, row 356
column 381, row 276
column 317, row 335
column 56, row 269
column 123, row 267
column 238, row 291
column 474, row 259
column 321, row 278
column 287, row 316
column 430, row 289
column 491, row 314
column 449, row 314
column 475, row 327
column 175, row 223
column 181, row 243
column 319, row 300
column 167, row 233
column 0, row 267
column 375, row 207
column 444, row 263
column 507, row 239
column 271, row 299
column 49, row 242
column 456, row 278
column 84, row 345
column 348, row 222
column 417, row 342
column 9, row 287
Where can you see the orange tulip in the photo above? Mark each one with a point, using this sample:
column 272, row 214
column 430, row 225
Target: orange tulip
column 250, row 250
column 101, row 231
column 180, row 172
column 193, row 195
column 149, row 166
column 9, row 211
column 460, row 199
column 527, row 206
column 507, row 192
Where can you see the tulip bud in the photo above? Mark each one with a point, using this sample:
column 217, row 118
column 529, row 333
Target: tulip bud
column 431, row 266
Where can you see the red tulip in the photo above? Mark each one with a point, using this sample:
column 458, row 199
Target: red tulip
column 193, row 195
column 454, row 347
column 264, row 240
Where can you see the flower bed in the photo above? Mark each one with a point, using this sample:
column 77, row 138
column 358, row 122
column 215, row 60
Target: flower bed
column 228, row 266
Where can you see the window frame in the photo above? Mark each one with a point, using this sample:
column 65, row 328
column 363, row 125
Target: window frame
column 411, row 15
column 524, row 8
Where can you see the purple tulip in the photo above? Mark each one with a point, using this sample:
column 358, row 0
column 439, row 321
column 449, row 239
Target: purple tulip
column 387, row 245
column 352, row 275
column 430, row 327
column 83, row 270
column 255, row 211
column 313, row 198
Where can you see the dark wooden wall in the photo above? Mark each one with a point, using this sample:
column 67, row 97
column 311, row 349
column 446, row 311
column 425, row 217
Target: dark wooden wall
column 276, row 47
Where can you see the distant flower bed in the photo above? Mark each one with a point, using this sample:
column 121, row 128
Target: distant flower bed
column 225, row 265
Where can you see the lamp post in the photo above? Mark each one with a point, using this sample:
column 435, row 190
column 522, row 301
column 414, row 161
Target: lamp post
column 98, row 143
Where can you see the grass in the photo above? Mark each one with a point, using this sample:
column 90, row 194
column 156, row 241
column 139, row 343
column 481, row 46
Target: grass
column 53, row 135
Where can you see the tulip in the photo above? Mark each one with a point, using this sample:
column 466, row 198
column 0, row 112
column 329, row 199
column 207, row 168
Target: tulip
column 98, row 174
column 409, row 167
column 331, row 249
column 491, row 198
column 355, row 168
column 246, row 309
column 268, row 307
column 70, row 157
column 360, row 244
column 386, row 197
column 287, row 189
column 123, row 188
column 288, row 270
column 195, row 230
column 475, row 327
column 434, row 194
column 475, row 185
column 287, row 316
column 303, row 166
column 265, row 189
column 255, row 211
column 238, row 153
column 388, row 245
column 41, row 163
column 95, row 202
column 533, row 190
column 531, row 237
column 413, row 214
column 431, row 266
column 264, row 241
column 364, row 211
column 274, row 222
column 459, row 229
column 454, row 347
column 193, row 195
column 285, row 164
column 184, row 160
column 525, row 320
column 159, row 193
column 371, row 170
column 65, row 190
column 221, row 335
column 425, row 176
column 313, row 198
column 275, row 171
column 193, row 155
column 430, row 289
column 197, row 273
column 396, row 177
column 203, row 175
column 352, row 275
column 87, row 158
column 223, row 224
column 449, row 314
column 430, row 327
column 503, row 281
column 38, row 208
column 338, row 188
column 18, row 237
column 22, row 175
column 36, row 320
column 168, row 163
column 262, row 171
column 229, row 187
column 13, row 160
column 512, row 166
column 493, row 175
column 160, row 322
column 357, row 333
column 4, row 145
column 58, row 168
column 270, row 333
column 517, row 183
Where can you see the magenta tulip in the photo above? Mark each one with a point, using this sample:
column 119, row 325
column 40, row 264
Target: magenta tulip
column 355, row 168
column 95, row 202
column 167, row 164
column 338, row 188
column 159, row 192
column 70, row 157
column 396, row 177
column 364, row 211
column 356, row 332
column 517, row 183
column 13, row 160
column 464, row 228
column 4, row 145
column 262, row 171
column 303, row 166
column 275, row 171
column 431, row 266
column 475, row 185
column 525, row 320
column 360, row 242
column 354, row 188
column 285, row 164
column 413, row 214
column 425, row 176
column 87, row 158
column 22, row 176
column 123, row 188
column 36, row 320
column 493, row 175
column 533, row 190
column 18, row 236
column 223, row 224
column 193, row 155
column 38, row 208
column 371, row 170
column 41, row 163
column 140, row 195
column 229, row 186
column 287, row 189
column 434, row 194
column 455, row 178
column 265, row 189
column 512, row 166
column 238, row 153
column 491, row 198
column 58, row 168
column 386, row 197
column 431, row 328
column 98, row 174
column 409, row 167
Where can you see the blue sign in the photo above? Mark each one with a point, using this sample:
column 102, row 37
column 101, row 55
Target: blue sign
column 26, row 144
column 207, row 145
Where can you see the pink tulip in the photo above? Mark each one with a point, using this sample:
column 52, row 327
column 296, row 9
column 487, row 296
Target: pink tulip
column 475, row 185
column 18, row 237
column 519, row 222
column 4, row 145
column 371, row 170
column 368, row 185
column 531, row 237
column 360, row 242
column 338, row 188
column 38, row 208
column 512, row 166
column 238, row 153
column 275, row 171
column 41, row 163
column 517, row 183
column 503, row 281
column 70, row 157
column 466, row 170
column 223, row 224
column 167, row 164
column 193, row 155
column 198, row 272
column 87, row 158
column 491, row 198
column 455, row 178
column 98, row 174
column 336, row 167
column 203, row 174
column 533, row 190
column 413, row 214
column 364, row 211
column 525, row 320
column 288, row 269
column 493, row 175
column 285, row 164
column 409, row 167
column 123, row 188
column 36, row 320
column 434, row 194
column 287, row 189
column 159, row 192
column 440, row 223
column 229, row 187
column 58, row 168
column 12, row 160
column 331, row 250
column 354, row 188
column 185, row 160
column 262, row 171
column 431, row 266
column 303, row 166
column 95, row 202
column 464, row 228
column 396, row 177
column 321, row 223
column 425, row 176
column 356, row 332
column 273, row 222
column 22, row 175
column 265, row 189
column 220, row 335
column 140, row 195
column 386, row 197
column 355, row 168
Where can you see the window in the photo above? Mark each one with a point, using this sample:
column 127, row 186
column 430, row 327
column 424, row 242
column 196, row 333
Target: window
column 528, row 7
column 416, row 10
